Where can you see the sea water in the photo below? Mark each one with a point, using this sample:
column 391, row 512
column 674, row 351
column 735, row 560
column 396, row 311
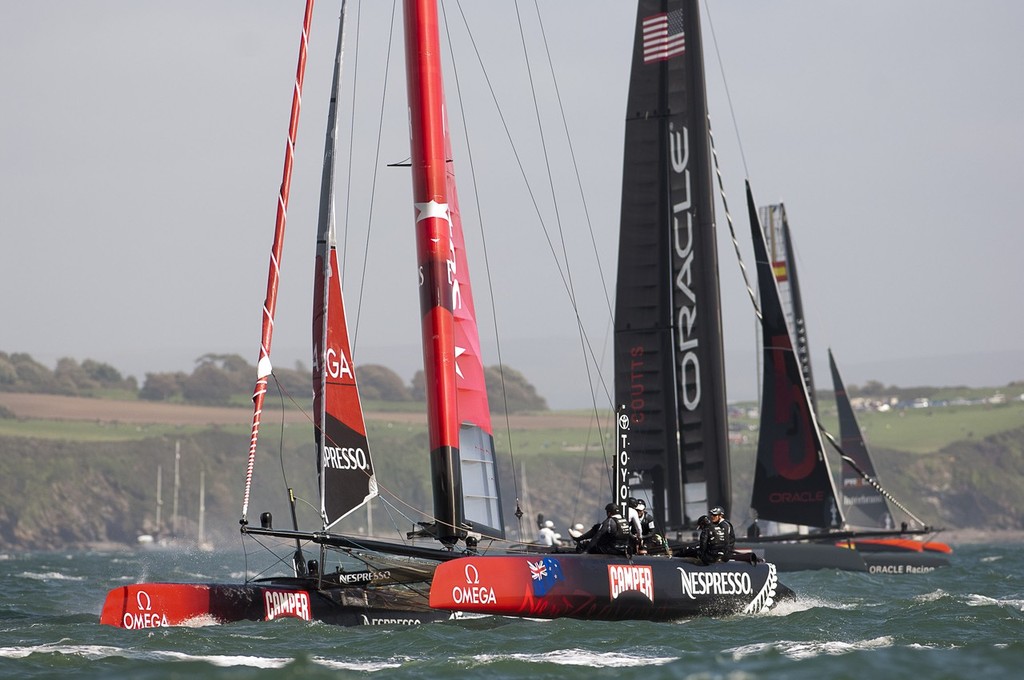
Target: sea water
column 966, row 620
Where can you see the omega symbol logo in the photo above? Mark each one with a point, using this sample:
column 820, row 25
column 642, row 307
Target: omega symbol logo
column 143, row 596
column 472, row 575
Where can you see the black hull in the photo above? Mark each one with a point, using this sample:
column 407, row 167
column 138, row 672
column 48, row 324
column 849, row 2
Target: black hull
column 807, row 556
column 900, row 563
column 604, row 587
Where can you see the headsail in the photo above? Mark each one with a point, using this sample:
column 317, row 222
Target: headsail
column 863, row 504
column 344, row 467
column 463, row 469
column 669, row 365
column 792, row 482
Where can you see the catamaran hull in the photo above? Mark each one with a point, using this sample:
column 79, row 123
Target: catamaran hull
column 858, row 555
column 807, row 556
column 154, row 605
column 596, row 587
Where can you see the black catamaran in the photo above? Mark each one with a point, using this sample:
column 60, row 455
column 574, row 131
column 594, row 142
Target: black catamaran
column 793, row 482
column 668, row 376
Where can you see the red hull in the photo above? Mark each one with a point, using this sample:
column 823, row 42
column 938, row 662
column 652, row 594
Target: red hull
column 154, row 605
column 897, row 544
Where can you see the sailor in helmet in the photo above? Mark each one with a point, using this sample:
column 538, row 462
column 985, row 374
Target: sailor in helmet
column 546, row 535
column 718, row 539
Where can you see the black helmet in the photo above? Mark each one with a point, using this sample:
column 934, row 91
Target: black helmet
column 611, row 507
column 703, row 521
column 631, row 502
column 717, row 510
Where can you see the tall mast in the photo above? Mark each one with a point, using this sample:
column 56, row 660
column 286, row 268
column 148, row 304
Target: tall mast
column 263, row 365
column 344, row 467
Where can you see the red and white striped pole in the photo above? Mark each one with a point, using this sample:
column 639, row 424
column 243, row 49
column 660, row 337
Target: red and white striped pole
column 263, row 366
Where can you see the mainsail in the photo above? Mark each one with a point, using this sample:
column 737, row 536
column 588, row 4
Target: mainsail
column 780, row 249
column 863, row 503
column 792, row 482
column 344, row 467
column 462, row 461
column 669, row 365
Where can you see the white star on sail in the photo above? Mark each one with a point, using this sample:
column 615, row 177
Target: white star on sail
column 432, row 209
column 459, row 351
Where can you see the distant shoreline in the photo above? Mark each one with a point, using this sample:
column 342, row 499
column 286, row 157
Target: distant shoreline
column 956, row 537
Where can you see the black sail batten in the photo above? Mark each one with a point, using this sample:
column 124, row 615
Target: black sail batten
column 863, row 504
column 669, row 361
column 792, row 482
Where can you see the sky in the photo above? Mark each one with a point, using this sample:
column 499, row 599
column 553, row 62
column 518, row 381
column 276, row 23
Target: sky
column 141, row 147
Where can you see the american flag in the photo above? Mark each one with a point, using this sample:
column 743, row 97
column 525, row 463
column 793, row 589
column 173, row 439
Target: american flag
column 663, row 36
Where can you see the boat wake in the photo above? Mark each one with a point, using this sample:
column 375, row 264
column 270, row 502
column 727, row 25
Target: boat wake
column 49, row 576
column 809, row 649
column 581, row 657
column 104, row 652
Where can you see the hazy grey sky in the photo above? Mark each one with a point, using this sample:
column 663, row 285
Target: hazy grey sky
column 141, row 147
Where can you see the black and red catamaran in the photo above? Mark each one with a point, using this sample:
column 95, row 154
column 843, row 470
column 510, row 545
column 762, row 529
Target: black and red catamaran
column 391, row 581
column 793, row 481
column 669, row 369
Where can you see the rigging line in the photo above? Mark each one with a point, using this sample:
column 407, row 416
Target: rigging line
column 351, row 143
column 483, row 240
column 732, row 228
column 590, row 229
column 373, row 183
column 529, row 188
column 725, row 85
column 575, row 165
column 868, row 478
column 381, row 487
column 519, row 161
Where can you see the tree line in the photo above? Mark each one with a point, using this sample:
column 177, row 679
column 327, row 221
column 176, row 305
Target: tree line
column 227, row 379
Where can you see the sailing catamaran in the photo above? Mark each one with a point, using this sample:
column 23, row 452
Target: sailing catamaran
column 793, row 483
column 669, row 370
column 390, row 584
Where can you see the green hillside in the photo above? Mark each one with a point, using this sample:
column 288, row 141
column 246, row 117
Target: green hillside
column 68, row 483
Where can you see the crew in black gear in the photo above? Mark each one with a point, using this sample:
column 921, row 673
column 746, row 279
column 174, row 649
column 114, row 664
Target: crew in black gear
column 718, row 540
column 694, row 550
column 612, row 536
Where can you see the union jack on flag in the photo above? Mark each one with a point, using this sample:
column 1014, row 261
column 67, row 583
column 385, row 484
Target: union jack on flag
column 663, row 36
column 544, row 574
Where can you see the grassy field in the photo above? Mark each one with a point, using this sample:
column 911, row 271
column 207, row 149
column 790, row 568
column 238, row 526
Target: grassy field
column 914, row 430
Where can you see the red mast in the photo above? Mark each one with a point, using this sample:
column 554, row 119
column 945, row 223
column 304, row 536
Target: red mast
column 436, row 255
column 263, row 366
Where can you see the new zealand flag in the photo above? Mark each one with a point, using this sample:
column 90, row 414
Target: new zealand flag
column 544, row 574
